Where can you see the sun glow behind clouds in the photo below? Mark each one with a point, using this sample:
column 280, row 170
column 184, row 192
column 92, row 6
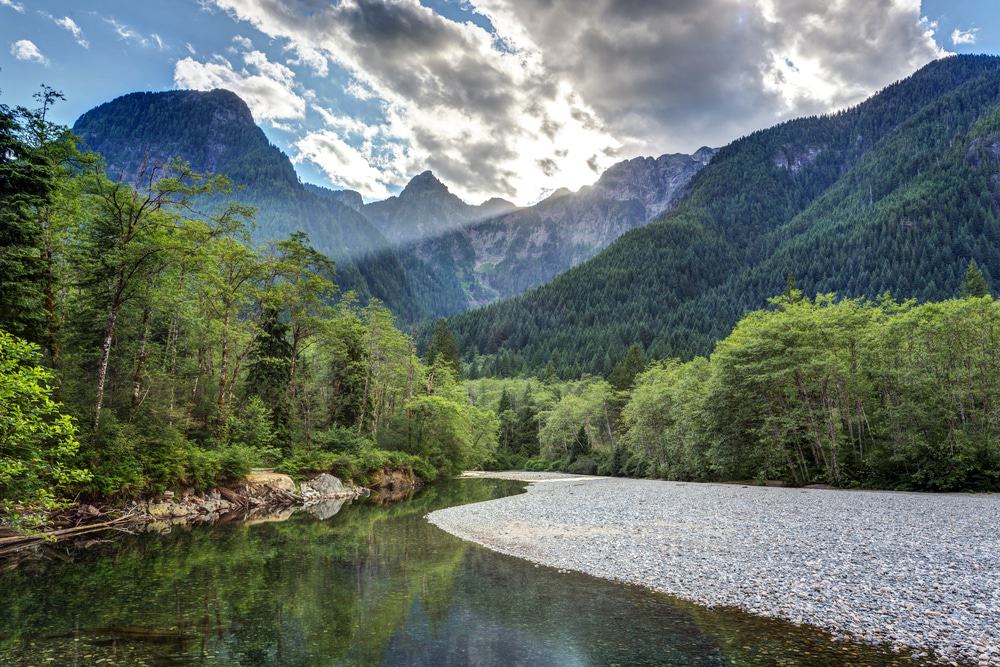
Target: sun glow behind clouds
column 519, row 97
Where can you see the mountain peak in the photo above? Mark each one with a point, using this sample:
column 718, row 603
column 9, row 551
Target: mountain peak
column 424, row 182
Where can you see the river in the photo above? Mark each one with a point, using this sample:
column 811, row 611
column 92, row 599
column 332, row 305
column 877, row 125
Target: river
column 370, row 585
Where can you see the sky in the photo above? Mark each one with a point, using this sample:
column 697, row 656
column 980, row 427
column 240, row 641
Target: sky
column 508, row 98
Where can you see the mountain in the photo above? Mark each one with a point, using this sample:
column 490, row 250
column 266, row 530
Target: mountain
column 425, row 209
column 424, row 252
column 897, row 193
column 458, row 255
column 215, row 132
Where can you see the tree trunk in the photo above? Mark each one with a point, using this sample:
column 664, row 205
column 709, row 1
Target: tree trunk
column 102, row 367
column 224, row 363
column 140, row 363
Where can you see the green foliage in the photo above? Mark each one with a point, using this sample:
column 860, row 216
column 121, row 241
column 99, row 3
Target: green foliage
column 443, row 427
column 192, row 354
column 443, row 345
column 846, row 392
column 849, row 392
column 214, row 132
column 974, row 283
column 37, row 440
column 633, row 363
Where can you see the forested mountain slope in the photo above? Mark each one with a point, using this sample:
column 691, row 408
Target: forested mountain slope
column 897, row 193
column 458, row 255
column 215, row 132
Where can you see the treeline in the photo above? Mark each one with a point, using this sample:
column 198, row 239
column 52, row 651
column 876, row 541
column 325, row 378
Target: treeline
column 848, row 392
column 145, row 343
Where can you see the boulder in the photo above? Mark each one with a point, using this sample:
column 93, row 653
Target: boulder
column 323, row 485
column 271, row 481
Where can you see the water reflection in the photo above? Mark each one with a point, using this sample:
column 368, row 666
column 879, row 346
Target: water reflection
column 369, row 585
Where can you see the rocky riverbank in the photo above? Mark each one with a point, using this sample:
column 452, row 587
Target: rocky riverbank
column 920, row 572
column 261, row 496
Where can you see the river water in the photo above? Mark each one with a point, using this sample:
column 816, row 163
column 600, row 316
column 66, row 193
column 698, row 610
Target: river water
column 370, row 585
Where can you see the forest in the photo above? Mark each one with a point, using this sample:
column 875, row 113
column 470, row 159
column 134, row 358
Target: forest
column 846, row 392
column 146, row 343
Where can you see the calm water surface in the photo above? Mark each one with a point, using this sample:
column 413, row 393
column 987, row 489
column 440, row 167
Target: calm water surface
column 370, row 585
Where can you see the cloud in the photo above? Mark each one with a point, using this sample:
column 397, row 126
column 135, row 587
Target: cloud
column 559, row 89
column 343, row 164
column 268, row 88
column 483, row 119
column 667, row 76
column 310, row 57
column 66, row 23
column 128, row 34
column 16, row 6
column 959, row 37
column 190, row 49
column 25, row 49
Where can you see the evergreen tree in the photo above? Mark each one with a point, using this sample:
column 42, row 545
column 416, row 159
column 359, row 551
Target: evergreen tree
column 26, row 184
column 974, row 283
column 624, row 372
column 443, row 345
column 269, row 371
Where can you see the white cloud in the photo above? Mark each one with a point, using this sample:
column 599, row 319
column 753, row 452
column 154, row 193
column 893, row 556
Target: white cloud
column 563, row 84
column 16, row 6
column 69, row 24
column 128, row 34
column 190, row 49
column 487, row 122
column 310, row 57
column 964, row 36
column 25, row 49
column 267, row 88
column 243, row 42
column 342, row 163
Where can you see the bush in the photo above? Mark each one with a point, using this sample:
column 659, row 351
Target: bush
column 37, row 441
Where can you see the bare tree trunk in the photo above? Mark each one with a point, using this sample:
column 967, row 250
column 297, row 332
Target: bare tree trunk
column 102, row 366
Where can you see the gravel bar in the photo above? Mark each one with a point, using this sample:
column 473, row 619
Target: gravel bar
column 916, row 571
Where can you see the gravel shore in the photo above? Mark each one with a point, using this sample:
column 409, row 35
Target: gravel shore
column 917, row 571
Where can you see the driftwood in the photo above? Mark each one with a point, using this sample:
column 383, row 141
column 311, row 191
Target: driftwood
column 9, row 545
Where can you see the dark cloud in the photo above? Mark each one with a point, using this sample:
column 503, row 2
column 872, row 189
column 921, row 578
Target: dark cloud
column 565, row 86
column 673, row 75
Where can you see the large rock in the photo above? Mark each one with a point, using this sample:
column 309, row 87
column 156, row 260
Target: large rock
column 271, row 481
column 323, row 485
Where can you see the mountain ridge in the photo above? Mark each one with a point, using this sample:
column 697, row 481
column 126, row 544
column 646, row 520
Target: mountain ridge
column 214, row 132
column 425, row 252
column 831, row 199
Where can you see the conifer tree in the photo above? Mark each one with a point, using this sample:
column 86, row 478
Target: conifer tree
column 443, row 345
column 624, row 372
column 974, row 283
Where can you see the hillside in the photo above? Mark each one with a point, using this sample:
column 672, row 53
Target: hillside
column 215, row 132
column 897, row 193
column 458, row 256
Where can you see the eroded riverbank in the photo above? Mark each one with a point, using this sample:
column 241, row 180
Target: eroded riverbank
column 917, row 571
